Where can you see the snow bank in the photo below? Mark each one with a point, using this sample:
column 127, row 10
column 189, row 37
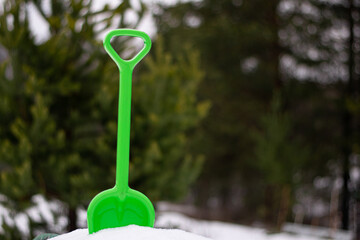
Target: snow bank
column 41, row 211
column 227, row 231
column 130, row 233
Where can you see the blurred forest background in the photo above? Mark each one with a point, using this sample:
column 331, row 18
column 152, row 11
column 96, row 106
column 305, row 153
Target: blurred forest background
column 248, row 110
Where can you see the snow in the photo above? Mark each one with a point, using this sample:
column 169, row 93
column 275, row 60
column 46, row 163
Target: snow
column 41, row 211
column 131, row 232
column 224, row 231
column 227, row 231
column 320, row 232
column 166, row 222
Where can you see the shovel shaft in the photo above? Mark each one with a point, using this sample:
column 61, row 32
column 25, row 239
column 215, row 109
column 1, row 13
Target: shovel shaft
column 123, row 135
column 126, row 68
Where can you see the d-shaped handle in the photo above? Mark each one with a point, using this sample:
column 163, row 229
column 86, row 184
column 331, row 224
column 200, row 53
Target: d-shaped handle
column 121, row 63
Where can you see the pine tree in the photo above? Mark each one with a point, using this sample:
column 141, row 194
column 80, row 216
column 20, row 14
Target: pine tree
column 165, row 112
column 280, row 158
column 53, row 126
column 58, row 112
column 239, row 48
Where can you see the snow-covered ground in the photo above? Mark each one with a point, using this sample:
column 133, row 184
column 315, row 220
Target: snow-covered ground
column 43, row 210
column 131, row 233
column 227, row 231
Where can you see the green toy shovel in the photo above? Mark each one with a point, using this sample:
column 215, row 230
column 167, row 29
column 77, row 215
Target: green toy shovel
column 121, row 205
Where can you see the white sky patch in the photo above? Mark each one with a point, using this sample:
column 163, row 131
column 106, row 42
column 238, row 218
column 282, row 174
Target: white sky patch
column 169, row 2
column 38, row 25
column 148, row 25
column 286, row 6
column 249, row 64
column 10, row 22
column 193, row 21
column 313, row 54
column 355, row 174
column 99, row 4
column 46, row 7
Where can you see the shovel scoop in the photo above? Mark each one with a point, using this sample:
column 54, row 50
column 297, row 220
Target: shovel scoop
column 121, row 205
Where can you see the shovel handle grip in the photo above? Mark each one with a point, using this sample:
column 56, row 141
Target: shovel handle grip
column 122, row 63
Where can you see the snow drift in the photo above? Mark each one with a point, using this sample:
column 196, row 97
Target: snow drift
column 131, row 232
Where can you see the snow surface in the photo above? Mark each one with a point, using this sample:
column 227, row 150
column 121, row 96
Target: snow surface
column 131, row 232
column 44, row 210
column 223, row 231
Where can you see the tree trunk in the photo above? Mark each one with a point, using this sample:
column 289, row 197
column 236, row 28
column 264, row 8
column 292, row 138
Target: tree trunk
column 284, row 206
column 334, row 210
column 72, row 219
column 347, row 124
column 269, row 200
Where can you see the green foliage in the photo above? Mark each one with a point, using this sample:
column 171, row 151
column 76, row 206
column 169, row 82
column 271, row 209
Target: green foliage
column 279, row 156
column 279, row 161
column 52, row 120
column 58, row 112
column 250, row 50
column 165, row 111
column 239, row 80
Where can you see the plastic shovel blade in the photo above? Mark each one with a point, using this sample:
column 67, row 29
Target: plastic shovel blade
column 110, row 209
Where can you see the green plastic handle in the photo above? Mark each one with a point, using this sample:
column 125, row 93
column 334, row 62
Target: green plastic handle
column 121, row 63
column 126, row 68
